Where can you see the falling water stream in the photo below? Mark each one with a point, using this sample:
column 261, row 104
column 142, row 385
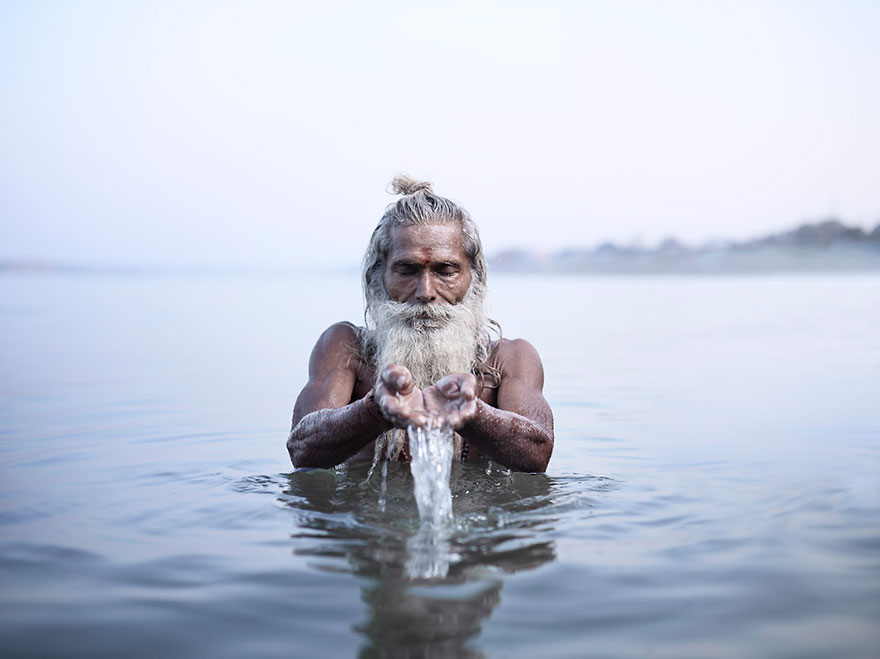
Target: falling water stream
column 429, row 549
column 431, row 448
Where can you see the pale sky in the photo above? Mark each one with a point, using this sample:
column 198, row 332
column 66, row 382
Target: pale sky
column 265, row 133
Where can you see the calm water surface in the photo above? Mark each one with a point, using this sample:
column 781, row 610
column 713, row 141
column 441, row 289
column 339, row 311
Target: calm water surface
column 714, row 491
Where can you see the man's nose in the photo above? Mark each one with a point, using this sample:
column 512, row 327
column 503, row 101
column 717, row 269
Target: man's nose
column 425, row 292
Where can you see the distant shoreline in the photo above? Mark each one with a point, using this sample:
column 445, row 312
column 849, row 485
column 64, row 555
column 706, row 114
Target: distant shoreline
column 827, row 246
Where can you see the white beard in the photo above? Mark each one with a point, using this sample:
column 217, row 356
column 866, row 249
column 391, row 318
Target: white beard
column 431, row 340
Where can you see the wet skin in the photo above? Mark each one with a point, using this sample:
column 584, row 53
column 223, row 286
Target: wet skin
column 340, row 411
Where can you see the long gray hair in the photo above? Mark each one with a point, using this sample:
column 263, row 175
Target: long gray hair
column 419, row 205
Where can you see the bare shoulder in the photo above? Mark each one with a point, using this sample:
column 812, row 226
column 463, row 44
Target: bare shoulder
column 333, row 369
column 336, row 357
column 518, row 358
column 522, row 382
column 340, row 332
column 338, row 343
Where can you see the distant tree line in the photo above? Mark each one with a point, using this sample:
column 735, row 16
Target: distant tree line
column 828, row 245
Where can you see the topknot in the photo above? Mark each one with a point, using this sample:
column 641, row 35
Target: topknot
column 406, row 185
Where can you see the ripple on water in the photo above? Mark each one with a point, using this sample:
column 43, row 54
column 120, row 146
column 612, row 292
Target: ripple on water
column 260, row 484
column 502, row 519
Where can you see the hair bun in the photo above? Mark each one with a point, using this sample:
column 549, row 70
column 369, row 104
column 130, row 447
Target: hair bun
column 406, row 185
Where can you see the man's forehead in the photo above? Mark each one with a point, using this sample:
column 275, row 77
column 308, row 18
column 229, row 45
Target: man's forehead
column 434, row 240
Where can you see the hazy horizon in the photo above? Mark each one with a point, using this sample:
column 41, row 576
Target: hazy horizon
column 264, row 134
column 838, row 260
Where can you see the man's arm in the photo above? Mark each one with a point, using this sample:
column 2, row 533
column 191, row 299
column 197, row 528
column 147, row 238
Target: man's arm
column 327, row 429
column 519, row 433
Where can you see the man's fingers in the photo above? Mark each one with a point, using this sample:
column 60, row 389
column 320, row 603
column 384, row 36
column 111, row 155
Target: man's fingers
column 397, row 378
column 448, row 386
column 458, row 385
column 451, row 401
column 400, row 408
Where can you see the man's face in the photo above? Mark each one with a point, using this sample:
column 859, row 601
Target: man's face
column 427, row 264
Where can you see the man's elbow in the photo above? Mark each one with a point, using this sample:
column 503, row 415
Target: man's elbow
column 529, row 466
column 298, row 457
column 292, row 450
column 544, row 450
column 537, row 466
column 304, row 456
column 531, row 460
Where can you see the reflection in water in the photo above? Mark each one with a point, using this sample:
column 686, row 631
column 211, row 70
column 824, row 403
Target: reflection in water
column 502, row 524
column 430, row 551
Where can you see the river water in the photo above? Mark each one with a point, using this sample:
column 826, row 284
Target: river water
column 714, row 489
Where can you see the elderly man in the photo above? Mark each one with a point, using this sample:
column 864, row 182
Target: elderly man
column 426, row 354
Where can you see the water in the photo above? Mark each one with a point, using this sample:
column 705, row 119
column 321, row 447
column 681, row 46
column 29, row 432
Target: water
column 430, row 550
column 714, row 489
column 431, row 449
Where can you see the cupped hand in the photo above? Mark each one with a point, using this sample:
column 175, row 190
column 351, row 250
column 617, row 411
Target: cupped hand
column 452, row 400
column 400, row 401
